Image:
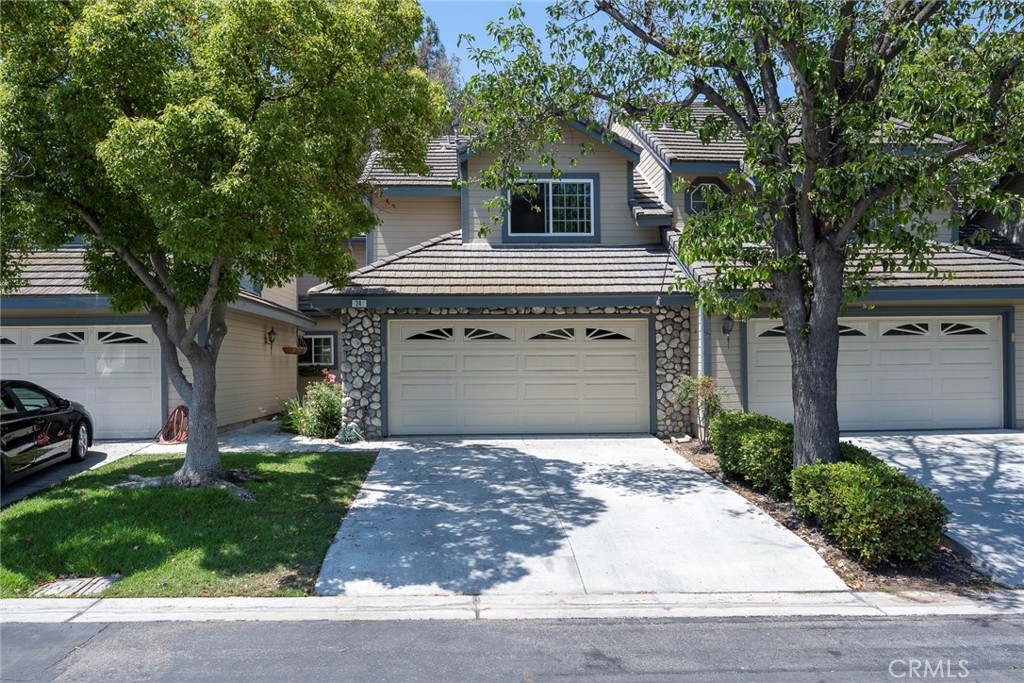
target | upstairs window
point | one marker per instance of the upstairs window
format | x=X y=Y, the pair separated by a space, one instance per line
x=561 y=207
x=698 y=192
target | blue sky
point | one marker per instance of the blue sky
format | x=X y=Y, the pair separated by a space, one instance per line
x=455 y=17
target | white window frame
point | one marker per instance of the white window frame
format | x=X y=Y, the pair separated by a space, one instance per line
x=545 y=185
x=309 y=337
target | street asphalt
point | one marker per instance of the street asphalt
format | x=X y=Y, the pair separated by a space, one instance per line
x=610 y=651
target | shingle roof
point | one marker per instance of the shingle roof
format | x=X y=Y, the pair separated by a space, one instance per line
x=673 y=144
x=995 y=243
x=54 y=273
x=645 y=201
x=969 y=267
x=446 y=266
x=442 y=158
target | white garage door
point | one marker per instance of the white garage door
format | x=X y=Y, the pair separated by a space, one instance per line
x=514 y=376
x=894 y=373
x=114 y=371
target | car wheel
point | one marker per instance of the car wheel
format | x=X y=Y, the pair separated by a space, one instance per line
x=80 y=445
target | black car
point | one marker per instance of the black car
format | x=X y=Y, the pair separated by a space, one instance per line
x=39 y=428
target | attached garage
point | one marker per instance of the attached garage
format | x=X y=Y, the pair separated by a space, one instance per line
x=114 y=371
x=503 y=375
x=894 y=372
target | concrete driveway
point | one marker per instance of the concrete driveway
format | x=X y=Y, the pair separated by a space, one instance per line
x=557 y=516
x=980 y=478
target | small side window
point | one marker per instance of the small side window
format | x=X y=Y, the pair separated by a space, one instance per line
x=698 y=191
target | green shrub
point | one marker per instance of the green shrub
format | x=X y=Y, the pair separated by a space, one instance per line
x=318 y=414
x=872 y=510
x=323 y=409
x=850 y=453
x=294 y=418
x=727 y=432
x=766 y=458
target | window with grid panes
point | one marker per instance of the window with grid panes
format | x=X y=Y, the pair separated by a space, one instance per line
x=561 y=207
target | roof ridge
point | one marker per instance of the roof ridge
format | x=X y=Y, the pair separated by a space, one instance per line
x=397 y=256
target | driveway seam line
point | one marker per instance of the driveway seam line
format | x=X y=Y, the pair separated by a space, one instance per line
x=554 y=510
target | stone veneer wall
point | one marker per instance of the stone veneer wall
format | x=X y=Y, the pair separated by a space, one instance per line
x=362 y=356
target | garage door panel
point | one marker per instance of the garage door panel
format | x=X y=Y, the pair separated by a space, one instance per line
x=427 y=362
x=426 y=391
x=544 y=362
x=565 y=390
x=545 y=376
x=909 y=373
x=481 y=362
x=611 y=362
x=491 y=391
x=56 y=366
x=125 y=366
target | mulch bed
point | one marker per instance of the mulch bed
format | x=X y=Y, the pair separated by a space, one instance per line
x=947 y=571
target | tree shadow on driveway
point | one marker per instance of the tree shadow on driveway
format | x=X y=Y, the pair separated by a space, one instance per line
x=458 y=517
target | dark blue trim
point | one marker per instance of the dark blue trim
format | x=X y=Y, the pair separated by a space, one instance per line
x=954 y=234
x=744 y=388
x=371 y=243
x=385 y=427
x=629 y=181
x=652 y=376
x=705 y=344
x=359 y=239
x=668 y=188
x=704 y=167
x=418 y=191
x=29 y=303
x=78 y=320
x=653 y=221
x=464 y=194
x=622 y=149
x=558 y=238
x=335 y=301
x=943 y=293
x=1009 y=370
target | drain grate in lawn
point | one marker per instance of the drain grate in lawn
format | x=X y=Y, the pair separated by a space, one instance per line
x=183 y=542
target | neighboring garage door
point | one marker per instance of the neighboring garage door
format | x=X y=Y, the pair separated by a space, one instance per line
x=114 y=371
x=894 y=373
x=498 y=375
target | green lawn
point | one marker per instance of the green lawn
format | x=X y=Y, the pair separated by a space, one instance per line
x=175 y=543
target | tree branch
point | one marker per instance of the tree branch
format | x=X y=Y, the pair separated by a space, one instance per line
x=212 y=288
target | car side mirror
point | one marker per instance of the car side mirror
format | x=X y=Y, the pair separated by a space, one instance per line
x=63 y=403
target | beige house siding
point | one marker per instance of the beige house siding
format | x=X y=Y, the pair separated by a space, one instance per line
x=727 y=361
x=407 y=221
x=253 y=378
x=941 y=218
x=616 y=221
x=648 y=167
x=286 y=295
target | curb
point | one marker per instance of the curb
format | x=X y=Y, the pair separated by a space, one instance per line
x=467 y=607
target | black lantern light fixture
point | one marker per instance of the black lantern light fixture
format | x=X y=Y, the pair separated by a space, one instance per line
x=271 y=337
x=727 y=323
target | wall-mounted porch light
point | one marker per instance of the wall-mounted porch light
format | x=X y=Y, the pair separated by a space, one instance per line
x=727 y=323
x=270 y=337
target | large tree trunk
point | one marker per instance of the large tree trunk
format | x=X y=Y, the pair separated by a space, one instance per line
x=815 y=357
x=202 y=466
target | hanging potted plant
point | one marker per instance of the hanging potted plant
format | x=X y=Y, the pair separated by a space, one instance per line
x=298 y=349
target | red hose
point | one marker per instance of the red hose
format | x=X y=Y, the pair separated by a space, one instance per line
x=176 y=428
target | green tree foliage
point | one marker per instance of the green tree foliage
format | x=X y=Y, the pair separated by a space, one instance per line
x=194 y=142
x=899 y=108
x=444 y=70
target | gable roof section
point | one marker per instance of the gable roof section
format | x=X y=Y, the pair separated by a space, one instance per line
x=442 y=158
x=444 y=266
x=594 y=131
x=684 y=152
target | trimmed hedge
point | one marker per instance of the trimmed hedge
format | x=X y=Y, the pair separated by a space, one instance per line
x=871 y=509
x=755 y=447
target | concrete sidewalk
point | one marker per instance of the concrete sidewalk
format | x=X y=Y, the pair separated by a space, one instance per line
x=980 y=477
x=643 y=605
x=255 y=437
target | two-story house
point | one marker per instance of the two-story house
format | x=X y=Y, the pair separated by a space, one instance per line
x=561 y=318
